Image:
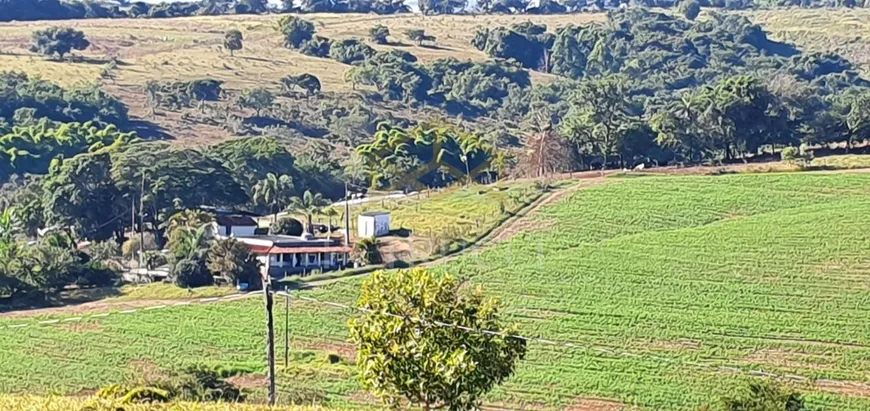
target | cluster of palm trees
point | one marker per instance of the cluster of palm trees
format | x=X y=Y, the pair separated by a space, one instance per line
x=275 y=193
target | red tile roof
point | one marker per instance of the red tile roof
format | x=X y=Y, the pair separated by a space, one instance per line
x=258 y=249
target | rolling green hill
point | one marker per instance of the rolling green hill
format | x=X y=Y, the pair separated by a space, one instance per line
x=662 y=279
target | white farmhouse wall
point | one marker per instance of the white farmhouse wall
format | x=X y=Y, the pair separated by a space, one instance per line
x=373 y=226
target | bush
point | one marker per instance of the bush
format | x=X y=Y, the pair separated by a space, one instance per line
x=104 y=250
x=154 y=259
x=191 y=273
x=305 y=81
x=366 y=251
x=145 y=395
x=202 y=383
x=316 y=47
x=764 y=396
x=286 y=226
x=296 y=31
x=349 y=51
x=130 y=248
x=378 y=34
x=95 y=274
x=690 y=9
x=57 y=40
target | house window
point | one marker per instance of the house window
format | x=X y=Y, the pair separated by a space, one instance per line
x=312 y=258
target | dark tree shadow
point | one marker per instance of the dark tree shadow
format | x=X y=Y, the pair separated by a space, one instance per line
x=66 y=298
x=436 y=47
x=148 y=130
x=396 y=44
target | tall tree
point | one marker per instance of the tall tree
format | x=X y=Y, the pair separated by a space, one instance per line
x=233 y=41
x=274 y=193
x=408 y=355
x=258 y=99
x=600 y=117
x=231 y=260
x=309 y=205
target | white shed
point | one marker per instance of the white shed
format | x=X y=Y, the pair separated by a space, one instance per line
x=234 y=225
x=374 y=224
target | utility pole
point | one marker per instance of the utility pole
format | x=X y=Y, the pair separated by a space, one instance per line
x=287 y=329
x=270 y=338
x=141 y=223
x=346 y=216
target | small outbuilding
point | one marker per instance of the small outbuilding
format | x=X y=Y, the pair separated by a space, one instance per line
x=373 y=224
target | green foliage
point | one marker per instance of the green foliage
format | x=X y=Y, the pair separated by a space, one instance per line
x=419 y=36
x=286 y=226
x=316 y=47
x=258 y=99
x=189 y=273
x=250 y=160
x=295 y=30
x=395 y=154
x=178 y=94
x=154 y=259
x=429 y=365
x=526 y=43
x=379 y=34
x=81 y=104
x=764 y=396
x=305 y=81
x=442 y=6
x=232 y=260
x=367 y=251
x=690 y=9
x=33 y=149
x=233 y=40
x=349 y=51
x=309 y=205
x=273 y=192
x=94 y=274
x=59 y=41
x=104 y=250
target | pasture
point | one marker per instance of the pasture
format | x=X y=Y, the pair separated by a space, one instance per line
x=673 y=289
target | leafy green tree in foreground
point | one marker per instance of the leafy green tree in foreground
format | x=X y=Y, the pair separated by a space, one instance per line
x=436 y=367
x=233 y=41
x=58 y=40
x=231 y=260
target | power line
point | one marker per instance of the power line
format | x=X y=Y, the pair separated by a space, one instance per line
x=566 y=344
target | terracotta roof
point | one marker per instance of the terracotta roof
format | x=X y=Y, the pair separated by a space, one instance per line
x=257 y=249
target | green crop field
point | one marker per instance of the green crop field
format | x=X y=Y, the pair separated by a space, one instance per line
x=661 y=279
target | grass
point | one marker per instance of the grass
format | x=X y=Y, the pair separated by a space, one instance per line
x=840 y=31
x=165 y=291
x=759 y=272
x=33 y=403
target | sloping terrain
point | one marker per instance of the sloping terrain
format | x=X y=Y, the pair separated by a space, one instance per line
x=672 y=290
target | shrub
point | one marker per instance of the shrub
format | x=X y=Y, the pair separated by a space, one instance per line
x=763 y=397
x=130 y=248
x=57 y=40
x=690 y=9
x=104 y=250
x=378 y=34
x=258 y=99
x=191 y=273
x=95 y=274
x=316 y=47
x=296 y=31
x=145 y=395
x=307 y=82
x=286 y=226
x=154 y=259
x=202 y=383
x=366 y=251
x=349 y=51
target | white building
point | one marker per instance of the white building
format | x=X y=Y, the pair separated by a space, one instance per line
x=374 y=224
x=228 y=225
x=284 y=255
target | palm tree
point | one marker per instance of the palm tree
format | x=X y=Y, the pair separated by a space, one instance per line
x=309 y=205
x=330 y=213
x=189 y=242
x=273 y=192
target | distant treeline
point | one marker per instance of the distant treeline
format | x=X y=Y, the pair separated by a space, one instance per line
x=27 y=10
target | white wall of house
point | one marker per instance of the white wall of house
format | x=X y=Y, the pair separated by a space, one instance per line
x=373 y=225
x=233 y=231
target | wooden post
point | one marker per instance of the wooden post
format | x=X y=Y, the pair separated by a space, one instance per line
x=287 y=329
x=270 y=338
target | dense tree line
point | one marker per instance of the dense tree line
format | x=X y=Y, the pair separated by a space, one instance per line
x=648 y=87
x=48 y=100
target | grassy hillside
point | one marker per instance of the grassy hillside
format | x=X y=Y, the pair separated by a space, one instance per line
x=844 y=32
x=676 y=275
x=190 y=48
